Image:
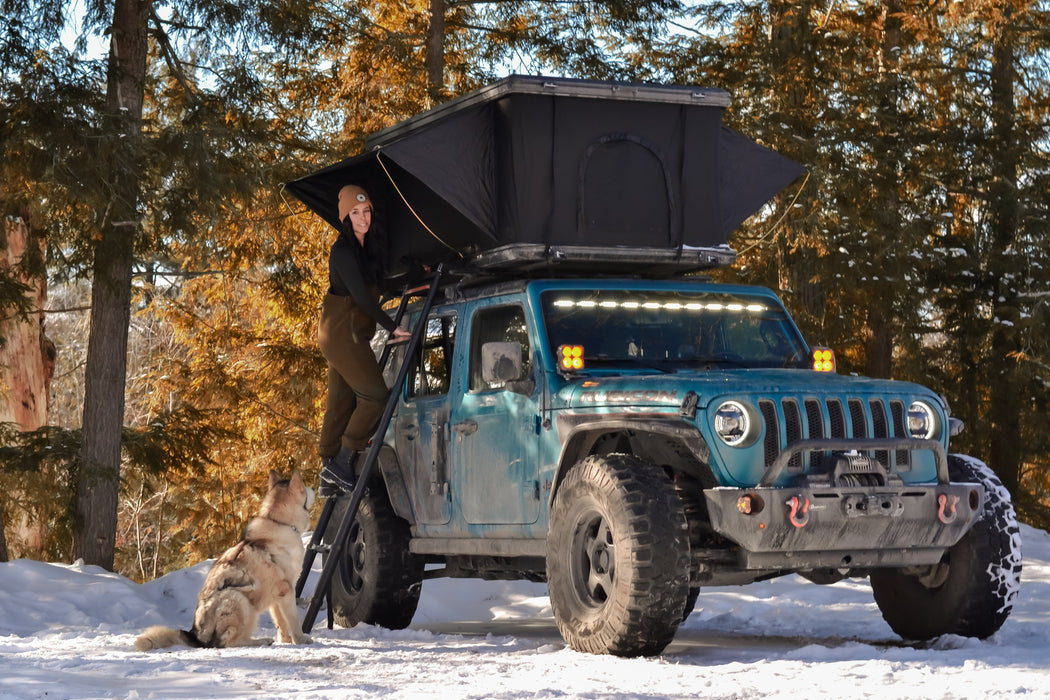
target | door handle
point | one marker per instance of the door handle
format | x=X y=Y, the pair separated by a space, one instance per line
x=467 y=427
x=411 y=432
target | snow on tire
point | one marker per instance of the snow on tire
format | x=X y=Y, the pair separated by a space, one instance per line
x=617 y=557
x=972 y=590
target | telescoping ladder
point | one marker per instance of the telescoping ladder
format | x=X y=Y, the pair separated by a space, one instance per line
x=335 y=550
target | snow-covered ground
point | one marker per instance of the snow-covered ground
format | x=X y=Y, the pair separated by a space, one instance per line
x=67 y=632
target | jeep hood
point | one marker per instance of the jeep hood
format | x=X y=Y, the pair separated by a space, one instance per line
x=663 y=391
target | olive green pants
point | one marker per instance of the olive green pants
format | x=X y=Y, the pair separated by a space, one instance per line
x=357 y=392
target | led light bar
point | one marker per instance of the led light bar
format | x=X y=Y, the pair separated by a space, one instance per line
x=667 y=305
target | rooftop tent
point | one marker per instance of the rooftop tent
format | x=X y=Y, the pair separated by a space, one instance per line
x=536 y=172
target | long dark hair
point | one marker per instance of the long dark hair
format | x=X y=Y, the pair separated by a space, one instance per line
x=373 y=250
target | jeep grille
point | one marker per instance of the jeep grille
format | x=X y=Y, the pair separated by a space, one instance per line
x=832 y=418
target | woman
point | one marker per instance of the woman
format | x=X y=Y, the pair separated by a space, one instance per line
x=357 y=392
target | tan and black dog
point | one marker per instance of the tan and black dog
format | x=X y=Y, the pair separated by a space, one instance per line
x=256 y=574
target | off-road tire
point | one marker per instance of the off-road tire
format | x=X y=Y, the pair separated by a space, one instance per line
x=378 y=580
x=975 y=594
x=690 y=602
x=690 y=493
x=617 y=557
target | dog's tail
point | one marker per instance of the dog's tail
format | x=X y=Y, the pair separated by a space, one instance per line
x=160 y=637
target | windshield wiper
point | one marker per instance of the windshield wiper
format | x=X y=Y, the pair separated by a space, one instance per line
x=794 y=360
x=722 y=358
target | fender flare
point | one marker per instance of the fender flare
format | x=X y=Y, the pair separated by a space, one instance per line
x=397 y=491
x=580 y=433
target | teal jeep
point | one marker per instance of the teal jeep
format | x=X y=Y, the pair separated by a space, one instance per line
x=585 y=411
x=630 y=441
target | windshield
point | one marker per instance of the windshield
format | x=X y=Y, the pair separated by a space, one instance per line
x=672 y=330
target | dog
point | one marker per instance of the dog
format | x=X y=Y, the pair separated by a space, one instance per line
x=256 y=574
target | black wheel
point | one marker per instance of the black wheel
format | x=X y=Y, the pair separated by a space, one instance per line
x=972 y=590
x=617 y=557
x=378 y=580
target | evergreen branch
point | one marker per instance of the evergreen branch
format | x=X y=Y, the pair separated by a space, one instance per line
x=235 y=388
x=64 y=310
x=185 y=274
x=179 y=25
x=684 y=28
x=777 y=222
x=831 y=10
x=69 y=372
x=471 y=3
x=31 y=312
x=170 y=58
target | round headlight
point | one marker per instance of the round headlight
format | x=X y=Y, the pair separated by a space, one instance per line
x=732 y=423
x=922 y=421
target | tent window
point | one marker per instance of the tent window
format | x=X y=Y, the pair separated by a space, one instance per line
x=624 y=191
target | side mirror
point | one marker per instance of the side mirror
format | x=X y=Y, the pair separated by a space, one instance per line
x=500 y=362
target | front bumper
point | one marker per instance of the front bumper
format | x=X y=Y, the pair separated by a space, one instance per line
x=821 y=523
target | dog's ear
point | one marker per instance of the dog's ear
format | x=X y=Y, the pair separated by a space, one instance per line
x=274 y=478
x=297 y=480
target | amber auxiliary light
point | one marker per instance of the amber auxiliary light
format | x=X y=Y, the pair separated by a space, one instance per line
x=824 y=359
x=570 y=357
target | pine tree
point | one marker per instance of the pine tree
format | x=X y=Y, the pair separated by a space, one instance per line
x=118 y=182
x=1001 y=205
x=923 y=232
x=218 y=280
x=244 y=335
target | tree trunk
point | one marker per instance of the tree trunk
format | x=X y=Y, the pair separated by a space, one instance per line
x=27 y=364
x=435 y=58
x=106 y=367
x=878 y=346
x=27 y=360
x=1005 y=404
x=880 y=331
x=790 y=36
x=3 y=540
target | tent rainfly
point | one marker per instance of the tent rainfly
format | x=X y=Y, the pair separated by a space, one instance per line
x=554 y=174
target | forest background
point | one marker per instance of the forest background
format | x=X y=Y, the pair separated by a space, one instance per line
x=159 y=299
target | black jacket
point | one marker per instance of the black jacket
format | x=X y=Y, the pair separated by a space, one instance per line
x=352 y=273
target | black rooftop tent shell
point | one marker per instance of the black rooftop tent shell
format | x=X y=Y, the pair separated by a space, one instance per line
x=535 y=172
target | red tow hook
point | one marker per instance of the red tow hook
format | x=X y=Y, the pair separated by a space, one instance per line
x=796 y=504
x=946 y=512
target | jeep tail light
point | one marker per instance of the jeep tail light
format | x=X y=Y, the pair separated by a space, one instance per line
x=570 y=357
x=823 y=359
